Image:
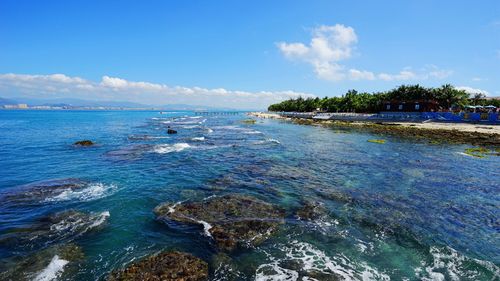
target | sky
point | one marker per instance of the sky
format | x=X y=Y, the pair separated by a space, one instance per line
x=243 y=54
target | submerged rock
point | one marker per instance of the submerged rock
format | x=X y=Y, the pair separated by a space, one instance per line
x=164 y=266
x=311 y=211
x=249 y=121
x=39 y=191
x=231 y=220
x=84 y=143
x=379 y=141
x=47 y=264
x=57 y=227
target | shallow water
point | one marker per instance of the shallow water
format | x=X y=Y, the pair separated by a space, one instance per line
x=402 y=210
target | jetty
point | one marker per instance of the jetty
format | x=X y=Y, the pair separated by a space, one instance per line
x=211 y=113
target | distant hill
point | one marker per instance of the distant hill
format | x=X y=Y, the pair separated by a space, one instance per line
x=4 y=101
x=65 y=102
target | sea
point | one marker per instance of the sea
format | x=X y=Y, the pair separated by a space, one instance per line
x=405 y=209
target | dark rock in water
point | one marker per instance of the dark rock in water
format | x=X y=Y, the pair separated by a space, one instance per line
x=164 y=266
x=84 y=143
x=231 y=220
x=39 y=191
x=311 y=211
x=46 y=264
x=171 y=131
x=249 y=121
x=61 y=226
x=335 y=195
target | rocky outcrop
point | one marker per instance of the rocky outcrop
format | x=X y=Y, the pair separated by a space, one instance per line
x=54 y=228
x=232 y=220
x=84 y=143
x=171 y=131
x=311 y=210
x=56 y=261
x=171 y=266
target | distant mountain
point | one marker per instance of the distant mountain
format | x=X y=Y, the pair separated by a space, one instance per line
x=83 y=103
x=68 y=102
x=4 y=101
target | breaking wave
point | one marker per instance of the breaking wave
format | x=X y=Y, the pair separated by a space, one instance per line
x=80 y=224
x=313 y=260
x=272 y=141
x=92 y=191
x=168 y=148
x=448 y=264
x=198 y=139
x=53 y=270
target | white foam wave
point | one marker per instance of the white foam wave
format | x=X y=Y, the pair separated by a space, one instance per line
x=206 y=227
x=190 y=126
x=274 y=141
x=53 y=270
x=168 y=148
x=210 y=130
x=252 y=132
x=313 y=259
x=93 y=191
x=448 y=264
x=171 y=209
x=71 y=225
x=198 y=139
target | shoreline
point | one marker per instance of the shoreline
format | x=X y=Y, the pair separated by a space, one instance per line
x=437 y=132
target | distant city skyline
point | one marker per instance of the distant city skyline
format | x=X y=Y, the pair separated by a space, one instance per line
x=243 y=54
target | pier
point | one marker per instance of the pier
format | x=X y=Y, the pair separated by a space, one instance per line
x=211 y=113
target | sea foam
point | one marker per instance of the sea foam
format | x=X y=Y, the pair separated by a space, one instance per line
x=53 y=270
x=92 y=191
x=314 y=260
x=168 y=148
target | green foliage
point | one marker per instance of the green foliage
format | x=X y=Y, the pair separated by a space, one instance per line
x=481 y=152
x=446 y=96
x=377 y=141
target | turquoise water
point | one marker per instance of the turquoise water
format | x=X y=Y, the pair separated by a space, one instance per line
x=402 y=210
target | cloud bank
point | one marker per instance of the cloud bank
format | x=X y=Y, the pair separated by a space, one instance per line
x=118 y=89
x=473 y=91
x=331 y=46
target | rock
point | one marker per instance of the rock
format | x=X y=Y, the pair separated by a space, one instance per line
x=61 y=226
x=61 y=259
x=248 y=121
x=37 y=192
x=335 y=195
x=379 y=141
x=232 y=220
x=171 y=266
x=171 y=131
x=311 y=211
x=84 y=143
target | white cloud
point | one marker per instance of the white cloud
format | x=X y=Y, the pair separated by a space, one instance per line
x=332 y=45
x=478 y=79
x=328 y=46
x=114 y=88
x=355 y=74
x=472 y=91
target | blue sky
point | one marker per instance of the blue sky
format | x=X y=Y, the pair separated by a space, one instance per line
x=243 y=53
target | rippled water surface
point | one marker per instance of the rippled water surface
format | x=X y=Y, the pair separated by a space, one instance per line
x=402 y=210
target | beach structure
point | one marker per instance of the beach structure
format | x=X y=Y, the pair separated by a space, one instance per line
x=410 y=106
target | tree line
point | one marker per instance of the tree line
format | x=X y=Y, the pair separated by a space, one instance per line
x=446 y=96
